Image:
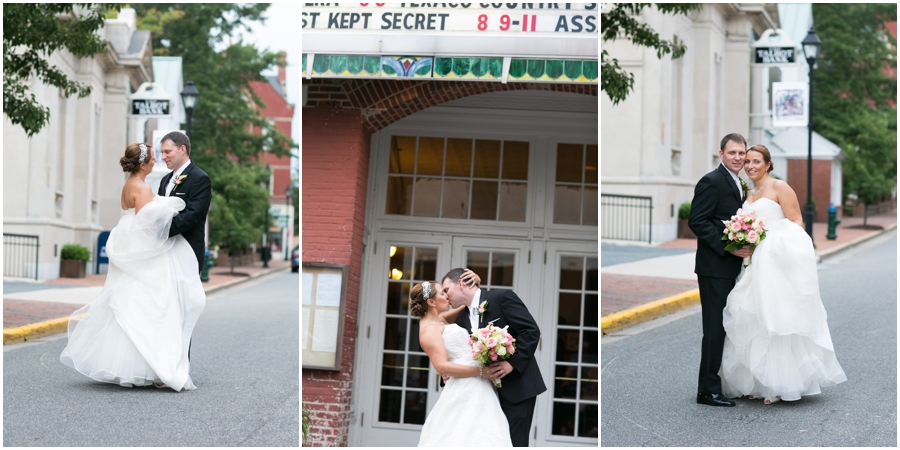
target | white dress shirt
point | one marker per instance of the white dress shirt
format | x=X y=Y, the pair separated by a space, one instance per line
x=473 y=309
x=177 y=174
x=737 y=180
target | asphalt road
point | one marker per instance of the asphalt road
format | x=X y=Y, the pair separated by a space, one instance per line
x=649 y=373
x=244 y=361
x=611 y=255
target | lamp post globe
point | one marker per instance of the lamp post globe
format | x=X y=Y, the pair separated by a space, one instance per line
x=189 y=97
x=811 y=46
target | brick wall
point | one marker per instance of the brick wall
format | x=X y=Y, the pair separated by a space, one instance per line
x=821 y=188
x=335 y=164
x=383 y=102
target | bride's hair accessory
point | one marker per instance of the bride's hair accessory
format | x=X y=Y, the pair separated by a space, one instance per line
x=426 y=290
x=144 y=152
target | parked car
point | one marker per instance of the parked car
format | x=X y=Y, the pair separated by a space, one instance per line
x=295 y=259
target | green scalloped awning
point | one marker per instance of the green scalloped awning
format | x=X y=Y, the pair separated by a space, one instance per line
x=450 y=68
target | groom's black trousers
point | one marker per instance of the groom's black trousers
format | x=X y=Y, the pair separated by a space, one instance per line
x=713 y=297
x=519 y=415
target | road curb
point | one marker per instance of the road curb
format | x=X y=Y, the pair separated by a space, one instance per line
x=648 y=311
x=31 y=331
x=839 y=248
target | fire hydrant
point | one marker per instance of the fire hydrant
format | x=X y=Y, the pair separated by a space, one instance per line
x=833 y=222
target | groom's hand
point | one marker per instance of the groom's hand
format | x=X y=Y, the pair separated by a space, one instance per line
x=499 y=370
x=742 y=252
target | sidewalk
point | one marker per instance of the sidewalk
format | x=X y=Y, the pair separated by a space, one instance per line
x=634 y=292
x=35 y=310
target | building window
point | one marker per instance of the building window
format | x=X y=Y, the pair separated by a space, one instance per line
x=575 y=198
x=575 y=378
x=458 y=178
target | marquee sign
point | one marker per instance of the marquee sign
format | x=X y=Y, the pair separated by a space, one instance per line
x=547 y=30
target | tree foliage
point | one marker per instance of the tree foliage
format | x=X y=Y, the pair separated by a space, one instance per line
x=621 y=22
x=31 y=33
x=227 y=131
x=855 y=104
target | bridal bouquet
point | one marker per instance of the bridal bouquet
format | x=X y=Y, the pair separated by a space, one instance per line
x=491 y=344
x=744 y=228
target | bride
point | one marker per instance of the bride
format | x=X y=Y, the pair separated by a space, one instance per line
x=468 y=412
x=136 y=332
x=777 y=344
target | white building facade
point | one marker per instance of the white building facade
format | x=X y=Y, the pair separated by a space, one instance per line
x=63 y=185
x=665 y=136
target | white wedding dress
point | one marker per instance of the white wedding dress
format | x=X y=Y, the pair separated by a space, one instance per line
x=137 y=331
x=468 y=412
x=777 y=341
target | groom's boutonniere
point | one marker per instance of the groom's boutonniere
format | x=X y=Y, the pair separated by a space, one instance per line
x=179 y=180
x=744 y=186
x=482 y=308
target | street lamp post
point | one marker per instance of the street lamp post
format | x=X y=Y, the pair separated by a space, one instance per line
x=266 y=224
x=811 y=46
x=287 y=227
x=189 y=96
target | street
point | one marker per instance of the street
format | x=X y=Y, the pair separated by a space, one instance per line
x=649 y=372
x=244 y=361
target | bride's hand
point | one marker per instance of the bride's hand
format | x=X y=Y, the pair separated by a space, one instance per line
x=471 y=279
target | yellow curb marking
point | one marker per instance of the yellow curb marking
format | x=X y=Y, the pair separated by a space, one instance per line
x=35 y=330
x=633 y=316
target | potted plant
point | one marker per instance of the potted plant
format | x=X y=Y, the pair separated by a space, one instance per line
x=73 y=260
x=684 y=231
x=305 y=422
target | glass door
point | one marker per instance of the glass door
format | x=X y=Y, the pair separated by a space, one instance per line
x=568 y=413
x=401 y=387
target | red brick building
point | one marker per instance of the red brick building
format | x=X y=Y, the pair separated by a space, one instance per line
x=414 y=165
x=279 y=112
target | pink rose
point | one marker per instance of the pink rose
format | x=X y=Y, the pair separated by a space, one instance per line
x=493 y=356
x=752 y=237
x=491 y=342
x=510 y=348
x=478 y=347
x=746 y=226
x=735 y=226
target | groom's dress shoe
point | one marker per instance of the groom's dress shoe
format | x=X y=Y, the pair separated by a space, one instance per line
x=714 y=400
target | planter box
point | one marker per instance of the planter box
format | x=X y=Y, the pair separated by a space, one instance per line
x=69 y=268
x=684 y=231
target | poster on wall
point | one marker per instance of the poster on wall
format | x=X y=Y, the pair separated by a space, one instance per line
x=324 y=295
x=790 y=104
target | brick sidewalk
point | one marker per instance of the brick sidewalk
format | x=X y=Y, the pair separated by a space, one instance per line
x=23 y=312
x=621 y=292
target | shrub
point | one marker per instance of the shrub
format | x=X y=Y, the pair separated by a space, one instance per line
x=684 y=211
x=75 y=252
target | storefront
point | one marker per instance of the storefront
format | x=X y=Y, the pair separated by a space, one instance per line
x=471 y=150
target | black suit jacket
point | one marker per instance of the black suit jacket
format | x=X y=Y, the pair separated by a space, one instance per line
x=716 y=198
x=196 y=191
x=506 y=308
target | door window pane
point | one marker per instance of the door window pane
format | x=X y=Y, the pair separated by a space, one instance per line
x=496 y=269
x=575 y=384
x=569 y=162
x=405 y=367
x=458 y=178
x=567 y=204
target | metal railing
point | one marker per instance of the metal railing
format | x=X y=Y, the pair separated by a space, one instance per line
x=20 y=255
x=626 y=217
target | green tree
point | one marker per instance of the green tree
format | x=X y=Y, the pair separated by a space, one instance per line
x=31 y=33
x=621 y=22
x=854 y=106
x=225 y=127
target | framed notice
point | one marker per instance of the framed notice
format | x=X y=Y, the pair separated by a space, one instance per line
x=324 y=297
x=790 y=104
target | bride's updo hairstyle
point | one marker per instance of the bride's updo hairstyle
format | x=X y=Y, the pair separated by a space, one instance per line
x=131 y=162
x=418 y=303
x=767 y=157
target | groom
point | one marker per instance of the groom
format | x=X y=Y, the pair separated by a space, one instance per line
x=522 y=381
x=191 y=184
x=717 y=197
